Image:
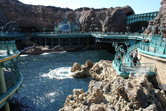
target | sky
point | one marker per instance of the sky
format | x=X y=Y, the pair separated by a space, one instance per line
x=139 y=6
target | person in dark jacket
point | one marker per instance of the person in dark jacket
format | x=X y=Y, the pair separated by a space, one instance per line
x=135 y=60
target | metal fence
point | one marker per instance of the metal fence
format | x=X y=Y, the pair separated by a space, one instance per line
x=7 y=48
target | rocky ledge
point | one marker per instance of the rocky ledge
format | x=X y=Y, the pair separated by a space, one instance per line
x=114 y=93
x=98 y=71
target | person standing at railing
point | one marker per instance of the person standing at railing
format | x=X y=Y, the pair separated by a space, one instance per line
x=135 y=60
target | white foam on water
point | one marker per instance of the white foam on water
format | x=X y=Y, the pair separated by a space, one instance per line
x=45 y=53
x=61 y=52
x=23 y=55
x=59 y=73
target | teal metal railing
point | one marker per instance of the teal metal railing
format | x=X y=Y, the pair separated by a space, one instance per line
x=128 y=58
x=144 y=67
x=8 y=62
x=157 y=49
x=124 y=69
x=7 y=48
x=11 y=75
x=61 y=35
x=15 y=35
x=119 y=65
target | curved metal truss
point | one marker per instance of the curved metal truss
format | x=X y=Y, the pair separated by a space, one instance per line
x=11 y=27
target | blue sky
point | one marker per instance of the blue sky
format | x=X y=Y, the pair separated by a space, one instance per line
x=139 y=6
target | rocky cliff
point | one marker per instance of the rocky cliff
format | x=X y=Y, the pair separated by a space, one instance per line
x=159 y=21
x=38 y=17
x=114 y=93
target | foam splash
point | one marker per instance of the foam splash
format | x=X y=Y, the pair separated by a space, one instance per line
x=141 y=71
x=59 y=73
x=23 y=55
x=45 y=53
x=61 y=52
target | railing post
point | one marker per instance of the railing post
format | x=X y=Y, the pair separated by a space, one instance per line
x=2 y=81
x=52 y=41
x=7 y=47
x=148 y=47
x=130 y=63
x=3 y=87
x=13 y=46
x=69 y=42
x=155 y=49
x=164 y=49
x=120 y=67
x=59 y=41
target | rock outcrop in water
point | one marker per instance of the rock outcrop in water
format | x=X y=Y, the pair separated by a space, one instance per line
x=159 y=21
x=114 y=93
x=83 y=70
x=98 y=71
x=38 y=17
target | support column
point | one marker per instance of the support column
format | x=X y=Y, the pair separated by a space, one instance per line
x=59 y=41
x=69 y=42
x=3 y=87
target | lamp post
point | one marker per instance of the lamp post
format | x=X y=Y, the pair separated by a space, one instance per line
x=96 y=29
x=44 y=29
x=128 y=28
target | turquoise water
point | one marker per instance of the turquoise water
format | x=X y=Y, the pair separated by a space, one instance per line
x=47 y=79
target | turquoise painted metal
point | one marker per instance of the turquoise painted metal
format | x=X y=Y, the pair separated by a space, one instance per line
x=11 y=27
x=9 y=70
x=60 y=35
x=158 y=50
x=141 y=17
x=124 y=69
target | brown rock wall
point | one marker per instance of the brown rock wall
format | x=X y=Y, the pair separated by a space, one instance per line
x=159 y=21
x=39 y=17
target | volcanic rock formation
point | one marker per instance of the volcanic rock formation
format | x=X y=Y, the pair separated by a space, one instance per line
x=114 y=93
x=159 y=21
x=37 y=18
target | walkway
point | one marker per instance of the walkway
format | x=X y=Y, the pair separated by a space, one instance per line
x=141 y=17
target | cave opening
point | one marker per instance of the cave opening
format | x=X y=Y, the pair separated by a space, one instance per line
x=138 y=26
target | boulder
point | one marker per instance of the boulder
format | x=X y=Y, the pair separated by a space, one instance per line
x=79 y=74
x=76 y=67
x=82 y=71
x=97 y=107
x=89 y=64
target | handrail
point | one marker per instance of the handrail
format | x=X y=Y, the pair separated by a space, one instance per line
x=7 y=48
x=128 y=58
x=119 y=65
x=146 y=67
x=154 y=48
